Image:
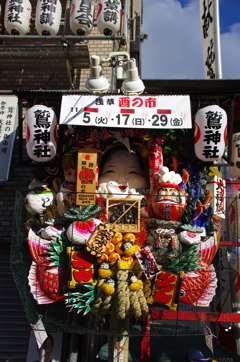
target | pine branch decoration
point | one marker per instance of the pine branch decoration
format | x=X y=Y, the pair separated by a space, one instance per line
x=187 y=260
x=81 y=301
x=57 y=250
x=76 y=214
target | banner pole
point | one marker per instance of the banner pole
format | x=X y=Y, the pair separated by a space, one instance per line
x=218 y=60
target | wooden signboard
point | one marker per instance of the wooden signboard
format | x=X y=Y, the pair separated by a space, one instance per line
x=86 y=178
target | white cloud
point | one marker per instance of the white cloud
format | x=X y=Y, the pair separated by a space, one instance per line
x=173 y=49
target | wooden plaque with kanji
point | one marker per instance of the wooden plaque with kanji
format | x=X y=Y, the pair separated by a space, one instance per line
x=86 y=178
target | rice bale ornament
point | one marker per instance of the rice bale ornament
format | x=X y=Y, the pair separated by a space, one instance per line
x=169 y=199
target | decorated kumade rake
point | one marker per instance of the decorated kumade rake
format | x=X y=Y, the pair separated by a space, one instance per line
x=122 y=250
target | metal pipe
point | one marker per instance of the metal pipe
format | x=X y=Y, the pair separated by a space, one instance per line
x=113 y=86
x=216 y=31
x=59 y=37
x=230 y=129
x=67 y=12
x=20 y=130
x=125 y=25
x=48 y=45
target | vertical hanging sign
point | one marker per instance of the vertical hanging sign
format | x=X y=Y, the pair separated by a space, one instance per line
x=8 y=125
x=210 y=29
x=86 y=178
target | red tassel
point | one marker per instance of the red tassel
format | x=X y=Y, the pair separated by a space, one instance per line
x=171 y=244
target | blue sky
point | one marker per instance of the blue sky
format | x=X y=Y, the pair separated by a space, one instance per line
x=173 y=49
x=229 y=13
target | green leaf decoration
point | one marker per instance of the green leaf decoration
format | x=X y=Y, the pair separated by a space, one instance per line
x=87 y=310
x=90 y=211
x=187 y=260
x=57 y=249
x=91 y=299
x=81 y=300
x=88 y=286
x=88 y=293
x=192 y=228
x=56 y=263
x=80 y=305
x=72 y=300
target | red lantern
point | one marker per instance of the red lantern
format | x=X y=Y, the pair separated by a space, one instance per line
x=169 y=202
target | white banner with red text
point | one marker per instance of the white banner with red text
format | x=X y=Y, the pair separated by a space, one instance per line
x=122 y=111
